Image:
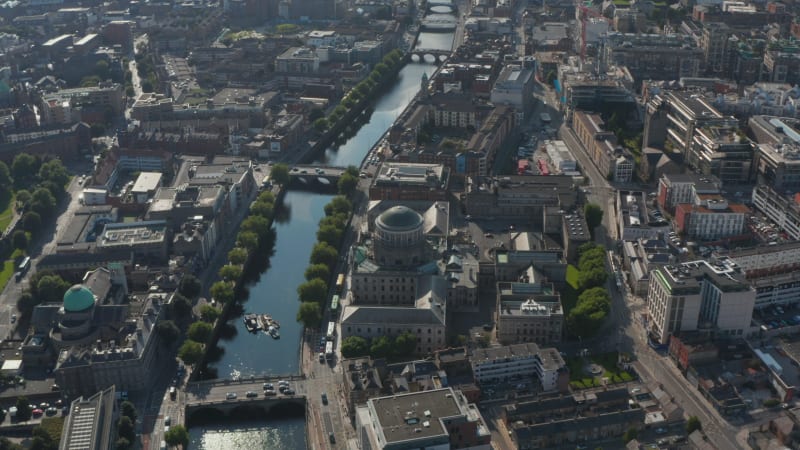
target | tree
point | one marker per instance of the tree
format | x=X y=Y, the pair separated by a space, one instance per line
x=23 y=409
x=200 y=332
x=177 y=435
x=263 y=209
x=51 y=288
x=26 y=302
x=354 y=346
x=222 y=292
x=630 y=435
x=190 y=352
x=258 y=225
x=321 y=124
x=279 y=173
x=347 y=184
x=190 y=286
x=405 y=344
x=181 y=306
x=54 y=171
x=320 y=271
x=23 y=197
x=266 y=197
x=122 y=444
x=237 y=256
x=309 y=314
x=147 y=86
x=338 y=205
x=248 y=240
x=381 y=347
x=24 y=168
x=31 y=221
x=313 y=291
x=330 y=234
x=126 y=429
x=209 y=313
x=693 y=424
x=315 y=114
x=128 y=410
x=381 y=68
x=230 y=272
x=5 y=176
x=592 y=278
x=323 y=253
x=168 y=331
x=43 y=202
x=19 y=240
x=594 y=216
x=101 y=69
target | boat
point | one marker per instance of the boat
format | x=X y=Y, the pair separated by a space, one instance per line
x=276 y=324
x=251 y=323
x=274 y=332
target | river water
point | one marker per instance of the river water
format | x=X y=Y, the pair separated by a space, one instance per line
x=275 y=291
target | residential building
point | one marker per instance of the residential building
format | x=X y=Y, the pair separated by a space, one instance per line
x=716 y=48
x=235 y=174
x=634 y=220
x=674 y=189
x=514 y=87
x=284 y=135
x=484 y=144
x=572 y=431
x=778 y=166
x=654 y=56
x=362 y=379
x=711 y=217
x=782 y=209
x=518 y=362
x=773 y=270
x=439 y=418
x=409 y=181
x=547 y=407
x=607 y=156
x=91 y=422
x=698 y=296
x=147 y=240
x=640 y=257
x=529 y=312
x=456 y=110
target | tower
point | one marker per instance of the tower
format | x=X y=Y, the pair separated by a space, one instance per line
x=423 y=85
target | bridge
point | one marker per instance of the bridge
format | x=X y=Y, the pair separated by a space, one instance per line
x=214 y=395
x=315 y=176
x=431 y=56
x=441 y=6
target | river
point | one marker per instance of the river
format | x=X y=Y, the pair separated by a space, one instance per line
x=275 y=292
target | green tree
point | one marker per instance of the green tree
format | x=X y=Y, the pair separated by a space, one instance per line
x=330 y=234
x=347 y=184
x=31 y=221
x=23 y=409
x=97 y=129
x=592 y=278
x=190 y=352
x=248 y=240
x=24 y=169
x=354 y=346
x=594 y=216
x=54 y=171
x=19 y=240
x=338 y=205
x=23 y=198
x=323 y=253
x=190 y=286
x=321 y=124
x=230 y=272
x=309 y=314
x=237 y=256
x=168 y=331
x=128 y=410
x=338 y=221
x=315 y=114
x=279 y=173
x=320 y=271
x=181 y=306
x=381 y=347
x=25 y=304
x=630 y=435
x=315 y=290
x=222 y=292
x=122 y=444
x=266 y=197
x=381 y=68
x=101 y=69
x=693 y=424
x=209 y=313
x=405 y=344
x=126 y=429
x=147 y=86
x=5 y=176
x=263 y=209
x=51 y=288
x=177 y=435
x=43 y=202
x=258 y=225
x=200 y=332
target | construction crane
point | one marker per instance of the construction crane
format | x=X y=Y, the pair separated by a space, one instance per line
x=585 y=13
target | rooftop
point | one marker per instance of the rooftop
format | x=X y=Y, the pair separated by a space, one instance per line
x=417 y=415
x=689 y=275
x=549 y=357
x=123 y=234
x=147 y=182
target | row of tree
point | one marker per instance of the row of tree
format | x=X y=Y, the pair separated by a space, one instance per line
x=380 y=347
x=363 y=90
x=594 y=303
x=322 y=263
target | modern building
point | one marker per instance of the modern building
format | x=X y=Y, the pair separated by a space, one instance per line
x=145 y=186
x=147 y=240
x=699 y=296
x=721 y=150
x=519 y=362
x=409 y=181
x=782 y=209
x=778 y=166
x=514 y=87
x=439 y=418
x=711 y=217
x=456 y=110
x=674 y=189
x=529 y=312
x=91 y=422
x=640 y=257
x=774 y=272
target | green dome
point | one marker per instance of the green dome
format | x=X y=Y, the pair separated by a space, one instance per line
x=400 y=218
x=78 y=298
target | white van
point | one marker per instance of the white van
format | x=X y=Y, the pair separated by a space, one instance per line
x=163 y=445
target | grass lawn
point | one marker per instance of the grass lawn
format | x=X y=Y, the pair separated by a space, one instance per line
x=7 y=272
x=6 y=210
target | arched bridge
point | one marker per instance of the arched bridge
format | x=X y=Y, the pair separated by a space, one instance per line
x=430 y=56
x=226 y=396
x=313 y=176
x=442 y=7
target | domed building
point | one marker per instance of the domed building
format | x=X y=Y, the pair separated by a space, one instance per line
x=398 y=238
x=77 y=312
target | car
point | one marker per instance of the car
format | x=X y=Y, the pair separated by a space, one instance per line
x=51 y=411
x=662 y=441
x=13 y=318
x=661 y=431
x=286 y=383
x=488 y=235
x=167 y=421
x=270 y=393
x=251 y=394
x=268 y=386
x=331 y=438
x=37 y=412
x=230 y=396
x=288 y=391
x=324 y=398
x=44 y=405
x=635 y=390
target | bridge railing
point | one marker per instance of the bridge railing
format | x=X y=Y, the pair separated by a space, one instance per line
x=261 y=399
x=261 y=379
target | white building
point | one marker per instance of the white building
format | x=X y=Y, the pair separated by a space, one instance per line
x=634 y=222
x=518 y=361
x=696 y=296
x=145 y=186
x=774 y=272
x=674 y=189
x=514 y=87
x=711 y=217
x=623 y=170
x=561 y=156
x=780 y=209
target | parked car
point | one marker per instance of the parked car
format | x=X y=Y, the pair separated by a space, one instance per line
x=251 y=394
x=230 y=396
x=324 y=398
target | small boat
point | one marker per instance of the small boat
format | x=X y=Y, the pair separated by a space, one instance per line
x=235 y=375
x=276 y=324
x=274 y=332
x=251 y=323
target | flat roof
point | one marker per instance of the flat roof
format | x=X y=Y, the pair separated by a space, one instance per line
x=147 y=182
x=416 y=415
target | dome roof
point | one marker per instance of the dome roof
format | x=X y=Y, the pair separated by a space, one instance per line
x=400 y=218
x=78 y=298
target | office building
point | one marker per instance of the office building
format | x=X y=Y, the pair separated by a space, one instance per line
x=522 y=197
x=520 y=362
x=778 y=166
x=674 y=189
x=297 y=60
x=529 y=312
x=781 y=209
x=147 y=240
x=409 y=181
x=774 y=272
x=654 y=56
x=90 y=423
x=711 y=217
x=514 y=87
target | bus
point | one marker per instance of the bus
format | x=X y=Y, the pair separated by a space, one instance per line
x=24 y=265
x=339 y=283
x=331 y=331
x=329 y=351
x=335 y=303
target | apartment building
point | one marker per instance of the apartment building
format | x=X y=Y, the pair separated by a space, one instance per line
x=711 y=217
x=781 y=209
x=774 y=272
x=607 y=156
x=655 y=56
x=519 y=362
x=699 y=296
x=456 y=110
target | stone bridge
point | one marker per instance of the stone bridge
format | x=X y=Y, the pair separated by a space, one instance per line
x=439 y=5
x=315 y=177
x=430 y=56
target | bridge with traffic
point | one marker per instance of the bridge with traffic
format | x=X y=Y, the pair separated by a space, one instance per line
x=227 y=395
